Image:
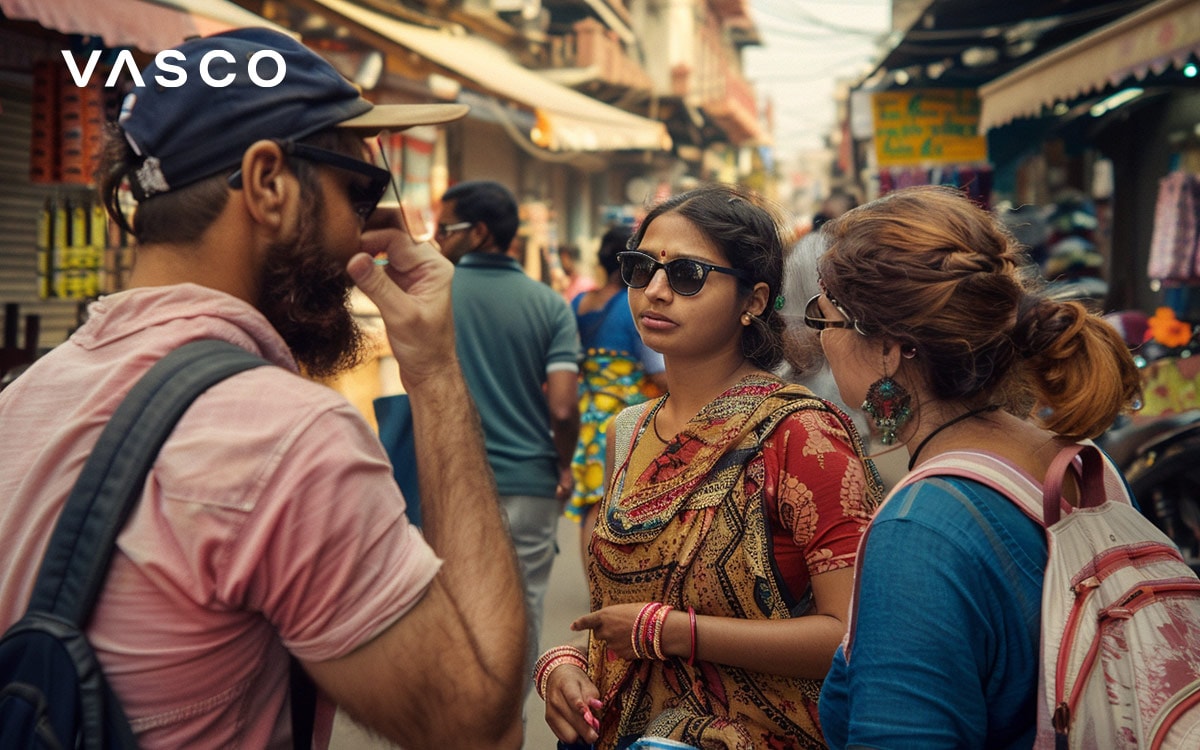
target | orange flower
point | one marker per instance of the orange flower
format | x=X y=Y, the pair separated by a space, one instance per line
x=1168 y=330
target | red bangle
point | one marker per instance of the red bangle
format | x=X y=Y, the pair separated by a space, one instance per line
x=692 y=620
x=638 y=637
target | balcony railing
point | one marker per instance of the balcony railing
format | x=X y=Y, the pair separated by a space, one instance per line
x=714 y=85
x=598 y=54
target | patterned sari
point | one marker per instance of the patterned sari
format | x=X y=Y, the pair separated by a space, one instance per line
x=693 y=530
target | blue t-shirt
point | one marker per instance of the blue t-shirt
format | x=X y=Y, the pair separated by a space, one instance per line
x=945 y=653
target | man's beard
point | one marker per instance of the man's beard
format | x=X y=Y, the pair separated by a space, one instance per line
x=305 y=297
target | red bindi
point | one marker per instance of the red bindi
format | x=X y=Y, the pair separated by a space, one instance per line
x=662 y=253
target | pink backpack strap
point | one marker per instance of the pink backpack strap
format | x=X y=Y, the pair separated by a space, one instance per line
x=986 y=468
x=1090 y=474
x=992 y=471
x=1042 y=503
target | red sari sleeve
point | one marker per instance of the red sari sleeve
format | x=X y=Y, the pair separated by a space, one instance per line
x=815 y=486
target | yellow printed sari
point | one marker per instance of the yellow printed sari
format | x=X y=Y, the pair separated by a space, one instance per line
x=693 y=530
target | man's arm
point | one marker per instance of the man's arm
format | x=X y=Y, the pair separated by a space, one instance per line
x=450 y=672
x=562 y=398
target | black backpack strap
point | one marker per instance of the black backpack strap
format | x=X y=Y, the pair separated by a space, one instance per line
x=304 y=706
x=76 y=562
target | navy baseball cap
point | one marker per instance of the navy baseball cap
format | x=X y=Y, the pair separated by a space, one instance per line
x=212 y=97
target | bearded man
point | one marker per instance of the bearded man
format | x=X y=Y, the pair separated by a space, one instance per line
x=270 y=526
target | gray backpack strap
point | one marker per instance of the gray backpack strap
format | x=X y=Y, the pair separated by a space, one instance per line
x=110 y=485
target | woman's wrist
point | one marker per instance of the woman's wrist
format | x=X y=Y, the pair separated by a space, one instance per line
x=552 y=660
x=680 y=638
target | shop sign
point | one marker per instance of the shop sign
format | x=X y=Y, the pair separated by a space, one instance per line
x=927 y=127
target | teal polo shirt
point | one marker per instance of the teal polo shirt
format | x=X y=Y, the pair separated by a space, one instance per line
x=511 y=332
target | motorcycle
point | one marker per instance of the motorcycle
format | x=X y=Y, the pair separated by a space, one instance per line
x=1159 y=453
x=1161 y=462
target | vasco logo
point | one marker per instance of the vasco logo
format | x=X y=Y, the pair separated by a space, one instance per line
x=214 y=68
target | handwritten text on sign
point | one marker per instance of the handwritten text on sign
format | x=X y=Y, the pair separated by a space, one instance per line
x=929 y=126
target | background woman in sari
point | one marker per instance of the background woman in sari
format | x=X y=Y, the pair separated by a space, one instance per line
x=720 y=567
x=618 y=370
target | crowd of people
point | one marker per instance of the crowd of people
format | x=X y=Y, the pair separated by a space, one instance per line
x=690 y=412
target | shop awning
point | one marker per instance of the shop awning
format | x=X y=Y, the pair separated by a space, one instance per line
x=571 y=121
x=1147 y=41
x=148 y=26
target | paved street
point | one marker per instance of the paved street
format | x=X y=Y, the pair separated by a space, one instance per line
x=566 y=599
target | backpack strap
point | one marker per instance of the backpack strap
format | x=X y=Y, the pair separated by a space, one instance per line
x=76 y=562
x=1091 y=479
x=990 y=470
x=1044 y=504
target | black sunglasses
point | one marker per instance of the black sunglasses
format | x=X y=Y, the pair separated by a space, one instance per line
x=813 y=318
x=364 y=197
x=684 y=275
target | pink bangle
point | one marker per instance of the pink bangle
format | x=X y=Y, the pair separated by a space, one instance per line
x=640 y=636
x=692 y=620
x=553 y=659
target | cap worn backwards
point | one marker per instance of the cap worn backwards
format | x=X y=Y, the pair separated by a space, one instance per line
x=201 y=108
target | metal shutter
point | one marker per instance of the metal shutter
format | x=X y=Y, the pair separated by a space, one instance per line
x=20 y=203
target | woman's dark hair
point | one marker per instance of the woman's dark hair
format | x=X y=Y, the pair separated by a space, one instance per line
x=926 y=268
x=182 y=215
x=489 y=203
x=739 y=225
x=615 y=240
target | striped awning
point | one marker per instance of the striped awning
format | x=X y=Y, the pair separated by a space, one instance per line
x=1147 y=41
x=148 y=25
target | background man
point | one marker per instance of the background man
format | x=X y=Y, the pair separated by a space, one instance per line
x=519 y=349
x=270 y=522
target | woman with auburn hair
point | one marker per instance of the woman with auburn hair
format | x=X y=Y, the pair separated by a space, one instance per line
x=928 y=319
x=720 y=566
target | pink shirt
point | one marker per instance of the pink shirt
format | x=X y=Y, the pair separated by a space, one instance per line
x=270 y=522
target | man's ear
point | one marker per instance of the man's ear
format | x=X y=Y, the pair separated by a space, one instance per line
x=267 y=184
x=478 y=234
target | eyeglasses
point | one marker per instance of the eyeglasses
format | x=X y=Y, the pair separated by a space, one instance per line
x=364 y=197
x=813 y=318
x=445 y=230
x=684 y=275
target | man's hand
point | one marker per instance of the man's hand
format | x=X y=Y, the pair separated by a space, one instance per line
x=412 y=292
x=566 y=484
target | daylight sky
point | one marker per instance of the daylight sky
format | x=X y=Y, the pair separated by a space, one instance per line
x=807 y=44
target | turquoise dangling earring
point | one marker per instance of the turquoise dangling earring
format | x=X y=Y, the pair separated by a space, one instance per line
x=889 y=406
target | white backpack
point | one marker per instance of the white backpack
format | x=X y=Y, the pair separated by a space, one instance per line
x=1120 y=651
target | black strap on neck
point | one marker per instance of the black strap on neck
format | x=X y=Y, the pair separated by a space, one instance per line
x=912 y=461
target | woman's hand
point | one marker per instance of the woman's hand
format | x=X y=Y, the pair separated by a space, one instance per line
x=614 y=626
x=572 y=702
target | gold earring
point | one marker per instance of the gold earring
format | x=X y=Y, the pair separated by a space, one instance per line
x=746 y=318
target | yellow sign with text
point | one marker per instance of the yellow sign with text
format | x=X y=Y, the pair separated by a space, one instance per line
x=929 y=126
